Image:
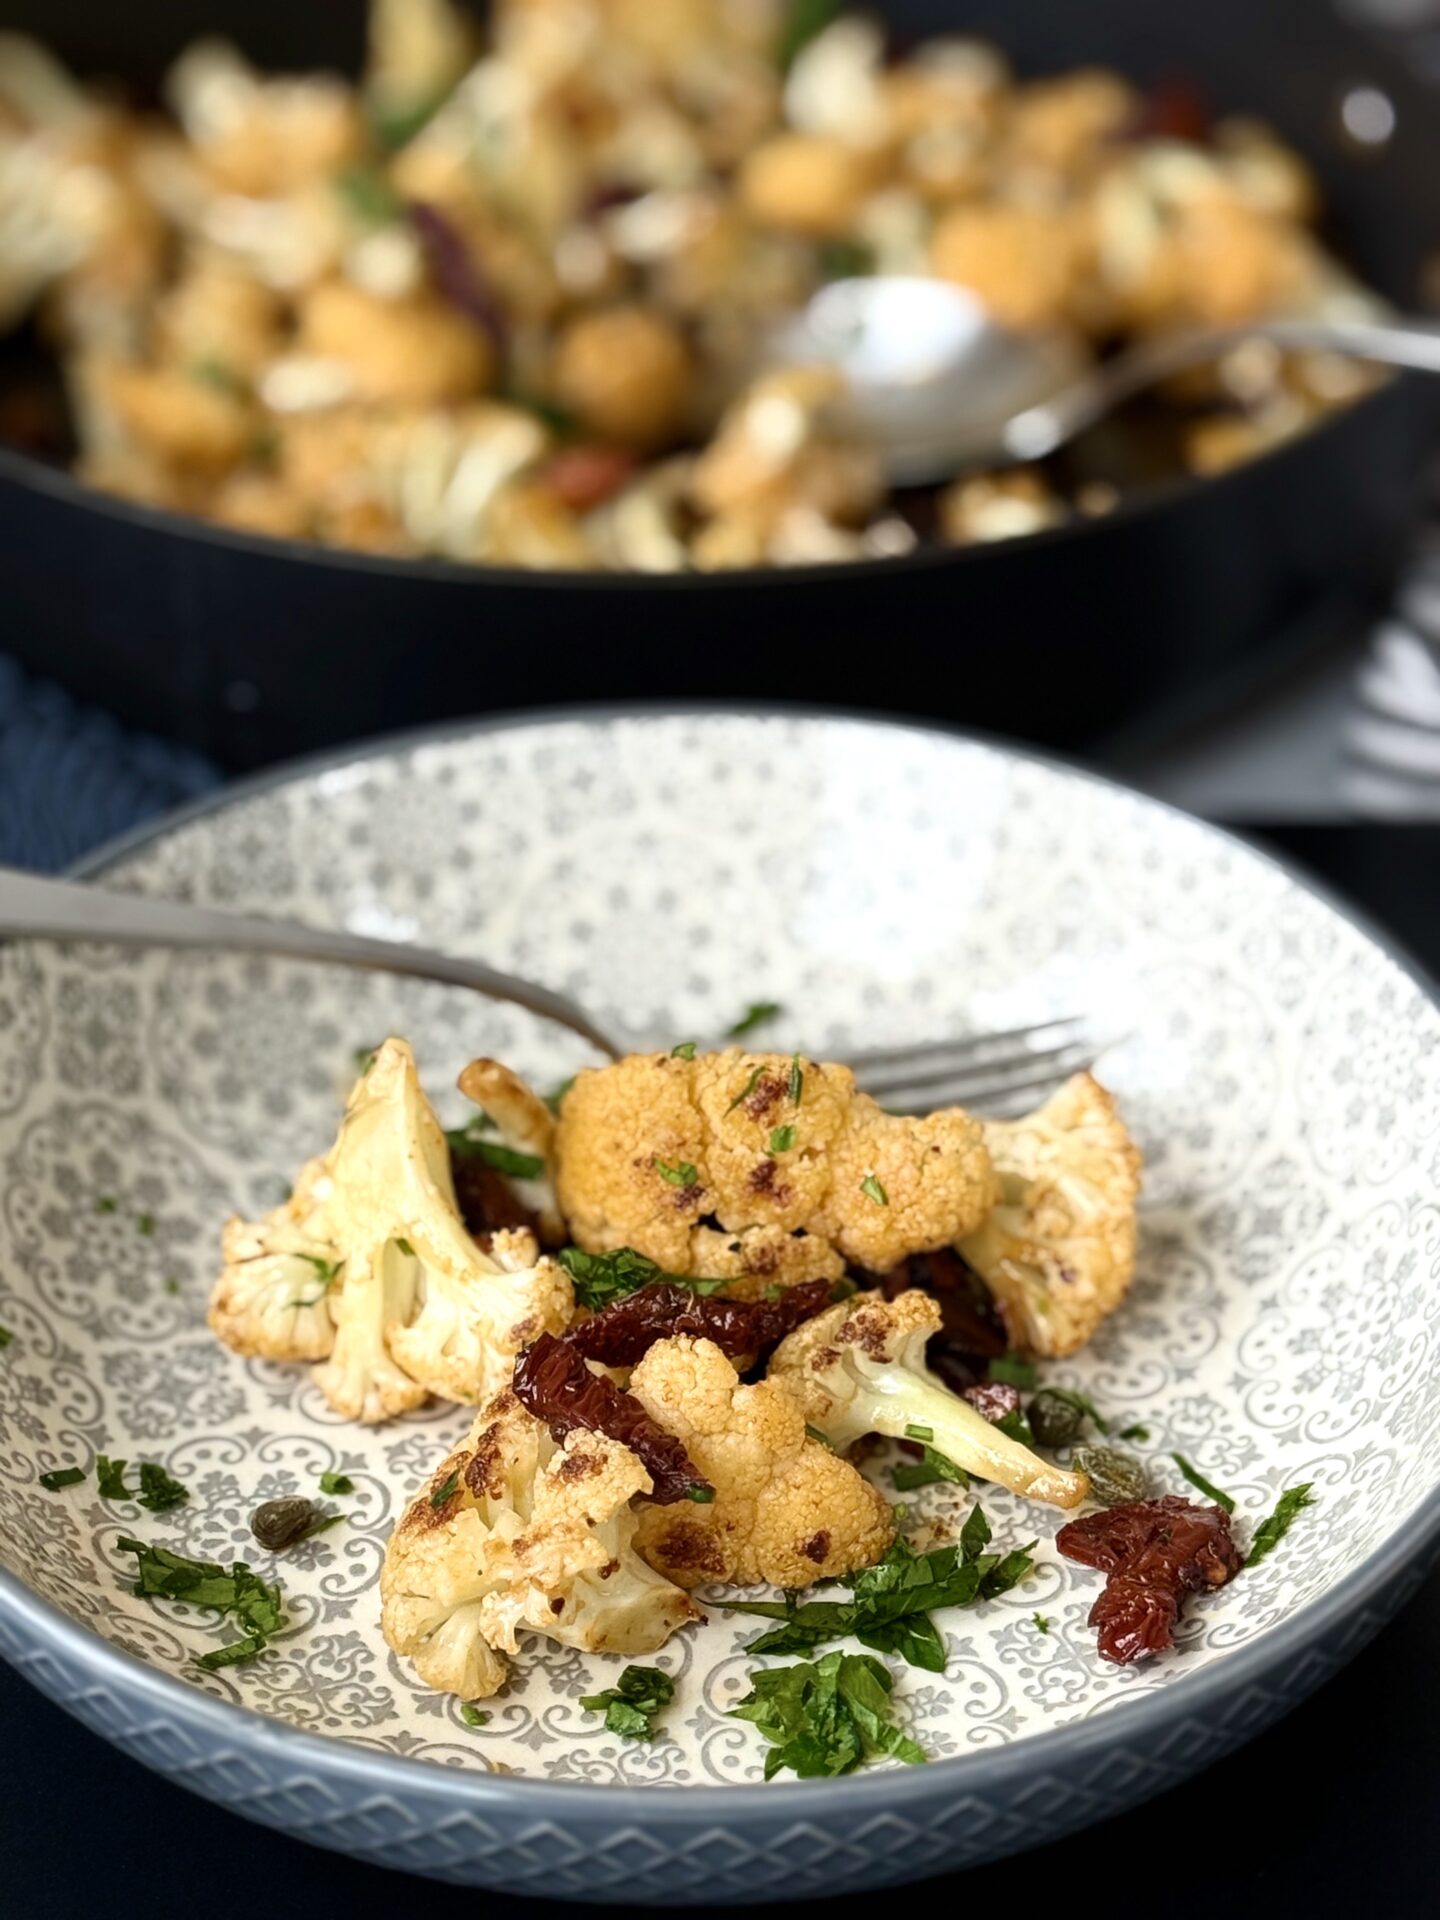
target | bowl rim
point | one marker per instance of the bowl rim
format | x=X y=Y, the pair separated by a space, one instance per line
x=991 y=1770
x=60 y=483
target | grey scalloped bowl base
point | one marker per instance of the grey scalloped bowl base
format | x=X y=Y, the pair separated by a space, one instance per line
x=1278 y=1065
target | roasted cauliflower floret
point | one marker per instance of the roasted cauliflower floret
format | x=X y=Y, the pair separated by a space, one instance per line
x=273 y=1298
x=787 y=1511
x=1058 y=1249
x=512 y=1535
x=860 y=1368
x=649 y=1149
x=411 y=1305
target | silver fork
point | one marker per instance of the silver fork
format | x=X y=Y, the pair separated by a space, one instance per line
x=990 y=1070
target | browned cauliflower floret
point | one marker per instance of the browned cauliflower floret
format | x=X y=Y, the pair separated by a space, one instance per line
x=511 y=1535
x=787 y=1511
x=860 y=1368
x=1058 y=1249
x=649 y=1149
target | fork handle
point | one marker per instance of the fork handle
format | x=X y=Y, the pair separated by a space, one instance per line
x=31 y=905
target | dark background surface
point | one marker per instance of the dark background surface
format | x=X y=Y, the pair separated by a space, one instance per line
x=1332 y=1811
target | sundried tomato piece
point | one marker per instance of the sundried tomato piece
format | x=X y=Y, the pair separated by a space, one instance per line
x=1154 y=1553
x=486 y=1198
x=585 y=475
x=553 y=1382
x=972 y=1332
x=624 y=1332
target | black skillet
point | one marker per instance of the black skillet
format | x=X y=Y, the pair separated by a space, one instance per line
x=252 y=649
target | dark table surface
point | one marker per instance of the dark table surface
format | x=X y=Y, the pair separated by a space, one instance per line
x=1331 y=1811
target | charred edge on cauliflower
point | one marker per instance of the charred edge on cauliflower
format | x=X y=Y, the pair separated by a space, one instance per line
x=553 y=1382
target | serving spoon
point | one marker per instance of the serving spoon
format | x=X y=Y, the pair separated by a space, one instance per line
x=935 y=383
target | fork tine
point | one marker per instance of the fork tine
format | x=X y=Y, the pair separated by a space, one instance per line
x=927 y=1070
x=968 y=1047
x=989 y=1096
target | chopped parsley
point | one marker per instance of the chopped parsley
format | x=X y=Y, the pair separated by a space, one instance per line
x=1010 y=1370
x=927 y=1471
x=405 y=1248
x=472 y=1715
x=467 y=1143
x=145 y=1223
x=1136 y=1432
x=825 y=1717
x=6 y=1338
x=845 y=259
x=60 y=1477
x=685 y=1051
x=755 y=1015
x=599 y=1278
x=327 y=1269
x=916 y=1432
x=363 y=1058
x=814 y=1433
x=107 y=1203
x=1271 y=1532
x=746 y=1091
x=1042 y=1622
x=172 y=1285
x=1207 y=1487
x=892 y=1601
x=336 y=1483
x=446 y=1490
x=557 y=1094
x=159 y=1490
x=211 y=371
x=255 y=1605
x=679 y=1173
x=395 y=126
x=232 y=1653
x=803 y=21
x=111 y=1477
x=782 y=1139
x=1016 y=1427
x=873 y=1190
x=796 y=1085
x=368 y=195
x=633 y=1705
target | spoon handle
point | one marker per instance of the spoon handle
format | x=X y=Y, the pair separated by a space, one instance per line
x=1041 y=429
x=31 y=905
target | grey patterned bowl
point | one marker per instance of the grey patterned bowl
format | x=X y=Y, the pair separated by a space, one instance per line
x=881 y=882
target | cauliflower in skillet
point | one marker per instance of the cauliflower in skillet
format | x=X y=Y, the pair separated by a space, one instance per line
x=652 y=1152
x=512 y=1535
x=1058 y=1248
x=787 y=1511
x=860 y=1368
x=414 y=1305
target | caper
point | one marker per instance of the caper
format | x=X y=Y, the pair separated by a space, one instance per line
x=1115 y=1477
x=1055 y=1420
x=280 y=1523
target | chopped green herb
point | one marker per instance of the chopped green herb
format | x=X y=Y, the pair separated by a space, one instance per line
x=599 y=1278
x=804 y=21
x=557 y=1094
x=873 y=1190
x=815 y=1434
x=466 y=1144
x=1042 y=1623
x=843 y=1289
x=336 y=1483
x=679 y=1173
x=106 y=1204
x=145 y=1223
x=159 y=1491
x=1137 y=1432
x=394 y=126
x=203 y=1583
x=685 y=1051
x=915 y=1432
x=699 y=1493
x=446 y=1490
x=892 y=1601
x=755 y=1015
x=233 y=1653
x=472 y=1715
x=746 y=1091
x=796 y=1087
x=327 y=1269
x=927 y=1471
x=60 y=1477
x=1271 y=1532
x=1016 y=1427
x=825 y=1717
x=172 y=1285
x=845 y=259
x=1207 y=1487
x=6 y=1338
x=782 y=1139
x=1012 y=1371
x=633 y=1705
x=211 y=371
x=405 y=1248
x=110 y=1476
x=369 y=196
x=363 y=1059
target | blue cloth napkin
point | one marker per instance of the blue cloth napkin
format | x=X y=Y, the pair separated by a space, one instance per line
x=71 y=777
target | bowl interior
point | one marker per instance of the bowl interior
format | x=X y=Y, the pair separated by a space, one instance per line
x=881 y=883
